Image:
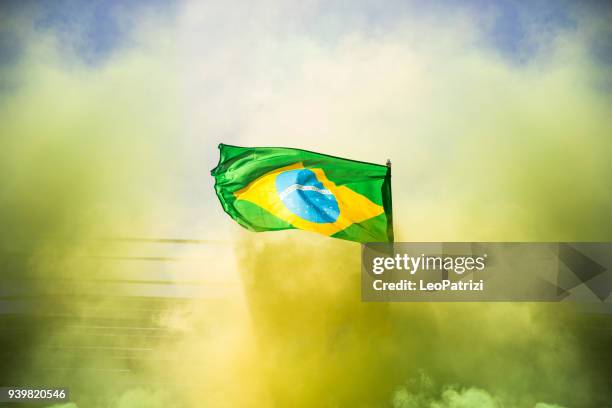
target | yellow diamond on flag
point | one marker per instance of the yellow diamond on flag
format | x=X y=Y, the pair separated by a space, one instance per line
x=305 y=198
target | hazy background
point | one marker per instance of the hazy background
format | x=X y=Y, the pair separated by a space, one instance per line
x=498 y=121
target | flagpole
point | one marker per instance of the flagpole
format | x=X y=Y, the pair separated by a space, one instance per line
x=390 y=225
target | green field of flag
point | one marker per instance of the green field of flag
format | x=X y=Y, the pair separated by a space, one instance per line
x=274 y=188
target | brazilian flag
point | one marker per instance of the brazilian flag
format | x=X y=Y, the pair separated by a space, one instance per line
x=276 y=188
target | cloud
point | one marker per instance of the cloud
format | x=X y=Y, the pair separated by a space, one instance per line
x=421 y=392
x=544 y=405
x=450 y=398
x=68 y=405
x=141 y=398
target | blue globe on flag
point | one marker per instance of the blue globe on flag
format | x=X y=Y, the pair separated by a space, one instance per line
x=305 y=196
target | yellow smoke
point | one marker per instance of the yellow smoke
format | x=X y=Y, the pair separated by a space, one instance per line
x=482 y=150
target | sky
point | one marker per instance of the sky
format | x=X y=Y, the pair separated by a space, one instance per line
x=459 y=88
x=495 y=115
